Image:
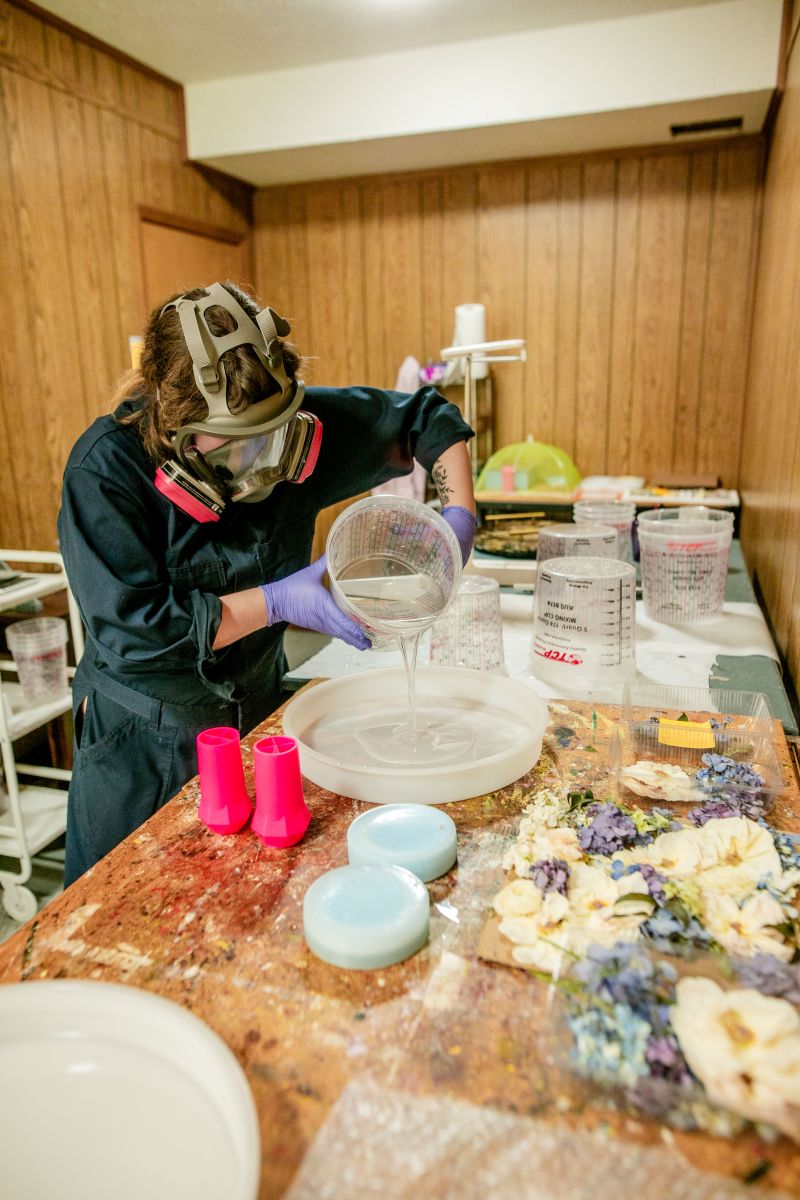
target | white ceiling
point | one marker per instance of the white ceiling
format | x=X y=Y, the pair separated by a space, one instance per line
x=196 y=40
x=282 y=91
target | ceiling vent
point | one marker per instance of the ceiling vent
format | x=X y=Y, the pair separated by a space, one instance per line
x=724 y=123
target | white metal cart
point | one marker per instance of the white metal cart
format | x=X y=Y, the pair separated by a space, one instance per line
x=33 y=814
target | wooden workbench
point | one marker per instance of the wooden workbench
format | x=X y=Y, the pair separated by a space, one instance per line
x=215 y=924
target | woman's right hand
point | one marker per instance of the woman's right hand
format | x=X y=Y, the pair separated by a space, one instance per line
x=302 y=599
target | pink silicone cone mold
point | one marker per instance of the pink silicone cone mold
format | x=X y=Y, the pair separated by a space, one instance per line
x=281 y=816
x=224 y=803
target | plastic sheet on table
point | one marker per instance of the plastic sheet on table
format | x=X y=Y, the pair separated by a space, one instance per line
x=382 y=1144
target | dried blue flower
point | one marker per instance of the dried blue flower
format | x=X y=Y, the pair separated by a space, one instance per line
x=788 y=847
x=667 y=929
x=609 y=1046
x=618 y=868
x=722 y=772
x=626 y=974
x=769 y=975
x=608 y=830
x=551 y=875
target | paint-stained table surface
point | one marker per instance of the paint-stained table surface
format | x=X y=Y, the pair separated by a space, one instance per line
x=215 y=924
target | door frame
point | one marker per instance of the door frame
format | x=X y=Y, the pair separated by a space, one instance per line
x=158 y=216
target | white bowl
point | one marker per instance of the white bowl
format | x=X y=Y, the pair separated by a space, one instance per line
x=109 y=1091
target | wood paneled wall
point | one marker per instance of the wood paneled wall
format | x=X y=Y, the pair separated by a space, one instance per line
x=84 y=140
x=629 y=275
x=770 y=466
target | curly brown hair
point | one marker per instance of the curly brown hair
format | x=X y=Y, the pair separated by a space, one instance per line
x=165 y=380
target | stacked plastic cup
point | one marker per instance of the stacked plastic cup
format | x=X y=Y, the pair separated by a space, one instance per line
x=39 y=649
x=584 y=622
x=566 y=540
x=684 y=557
x=470 y=633
x=620 y=514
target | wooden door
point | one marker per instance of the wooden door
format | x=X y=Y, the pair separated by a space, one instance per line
x=178 y=255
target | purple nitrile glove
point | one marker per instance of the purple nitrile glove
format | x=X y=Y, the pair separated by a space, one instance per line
x=302 y=599
x=463 y=524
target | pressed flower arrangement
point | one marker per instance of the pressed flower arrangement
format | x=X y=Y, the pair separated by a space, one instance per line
x=673 y=943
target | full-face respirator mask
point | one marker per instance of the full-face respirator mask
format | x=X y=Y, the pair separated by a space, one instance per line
x=270 y=442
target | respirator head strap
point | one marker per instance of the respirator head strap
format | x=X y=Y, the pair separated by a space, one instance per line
x=207 y=348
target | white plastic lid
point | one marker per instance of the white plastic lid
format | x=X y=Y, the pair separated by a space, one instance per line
x=365 y=917
x=415 y=836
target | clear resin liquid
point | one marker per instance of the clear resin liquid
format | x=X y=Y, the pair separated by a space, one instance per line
x=453 y=731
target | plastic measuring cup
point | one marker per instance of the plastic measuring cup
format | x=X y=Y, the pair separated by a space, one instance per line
x=584 y=622
x=39 y=650
x=394 y=566
x=618 y=513
x=565 y=540
x=684 y=557
x=470 y=632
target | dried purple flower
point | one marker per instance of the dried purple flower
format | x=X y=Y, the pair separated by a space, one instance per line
x=655 y=882
x=664 y=1057
x=609 y=830
x=551 y=875
x=728 y=805
x=769 y=975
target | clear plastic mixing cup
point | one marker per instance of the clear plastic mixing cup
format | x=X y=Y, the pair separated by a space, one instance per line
x=470 y=633
x=618 y=513
x=566 y=540
x=684 y=557
x=394 y=565
x=39 y=649
x=584 y=622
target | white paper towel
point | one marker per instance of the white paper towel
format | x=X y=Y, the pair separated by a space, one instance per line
x=468 y=330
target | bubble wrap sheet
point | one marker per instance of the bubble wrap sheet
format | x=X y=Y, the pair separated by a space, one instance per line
x=380 y=1144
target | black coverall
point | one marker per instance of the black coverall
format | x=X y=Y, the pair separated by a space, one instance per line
x=147 y=579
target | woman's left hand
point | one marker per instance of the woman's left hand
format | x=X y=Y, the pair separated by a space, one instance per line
x=463 y=524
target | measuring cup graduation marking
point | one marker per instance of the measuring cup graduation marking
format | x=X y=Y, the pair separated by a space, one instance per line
x=584 y=619
x=619 y=514
x=470 y=633
x=394 y=564
x=580 y=540
x=684 y=556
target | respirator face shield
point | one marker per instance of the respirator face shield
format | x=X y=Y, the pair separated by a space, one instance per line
x=271 y=441
x=247 y=467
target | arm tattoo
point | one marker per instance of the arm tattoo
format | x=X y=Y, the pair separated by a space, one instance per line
x=439 y=477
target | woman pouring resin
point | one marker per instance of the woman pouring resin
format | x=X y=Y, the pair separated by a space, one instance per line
x=186 y=527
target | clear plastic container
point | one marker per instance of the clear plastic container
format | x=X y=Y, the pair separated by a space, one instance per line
x=39 y=649
x=567 y=540
x=620 y=514
x=663 y=733
x=470 y=633
x=684 y=562
x=394 y=566
x=584 y=622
